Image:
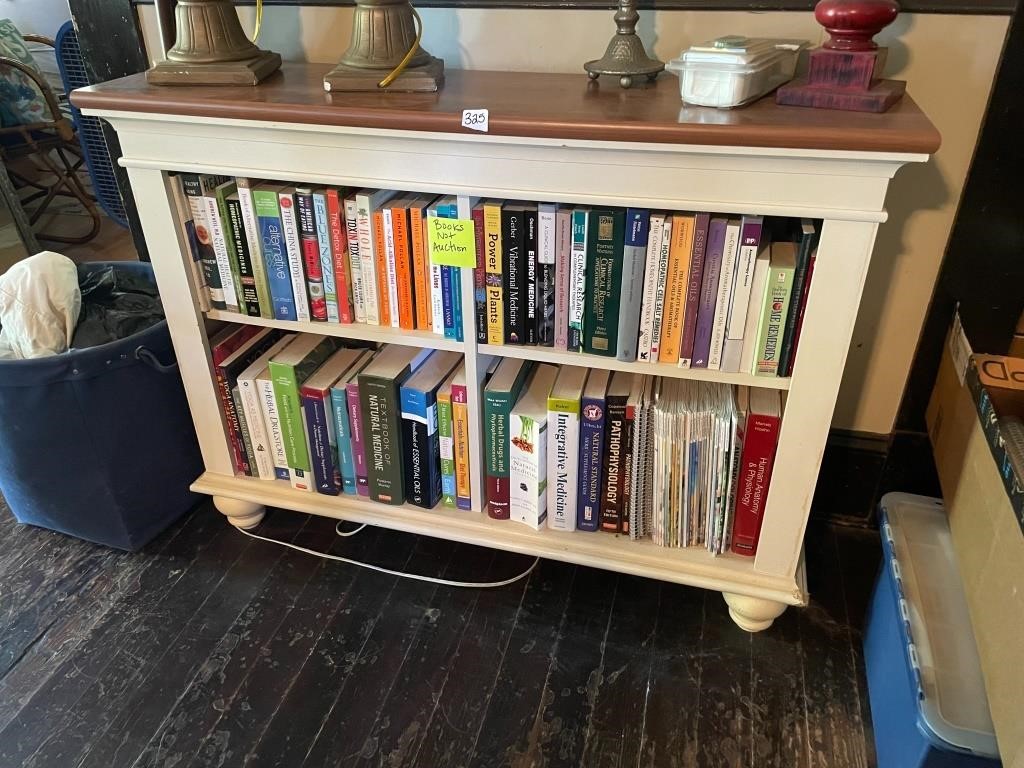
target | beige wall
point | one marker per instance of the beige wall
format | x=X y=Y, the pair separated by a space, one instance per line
x=948 y=61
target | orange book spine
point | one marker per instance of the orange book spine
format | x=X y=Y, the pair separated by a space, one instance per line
x=675 y=290
x=403 y=269
x=420 y=269
x=380 y=251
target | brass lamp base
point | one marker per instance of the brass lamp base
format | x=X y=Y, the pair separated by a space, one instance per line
x=244 y=72
x=424 y=78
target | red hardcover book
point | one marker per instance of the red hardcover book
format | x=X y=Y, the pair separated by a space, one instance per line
x=222 y=346
x=760 y=439
x=339 y=250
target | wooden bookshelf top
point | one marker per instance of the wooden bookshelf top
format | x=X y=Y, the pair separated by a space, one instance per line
x=541 y=105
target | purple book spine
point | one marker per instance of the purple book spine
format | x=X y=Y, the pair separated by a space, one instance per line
x=709 y=293
x=693 y=286
x=320 y=443
x=563 y=245
x=355 y=420
x=591 y=446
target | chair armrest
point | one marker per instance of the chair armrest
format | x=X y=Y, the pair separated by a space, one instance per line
x=40 y=39
x=62 y=124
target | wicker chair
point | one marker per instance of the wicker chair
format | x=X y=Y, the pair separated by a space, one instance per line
x=53 y=148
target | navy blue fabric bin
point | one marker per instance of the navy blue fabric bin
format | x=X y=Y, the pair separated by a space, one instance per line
x=98 y=443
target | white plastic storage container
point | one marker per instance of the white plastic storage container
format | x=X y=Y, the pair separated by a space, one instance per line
x=732 y=71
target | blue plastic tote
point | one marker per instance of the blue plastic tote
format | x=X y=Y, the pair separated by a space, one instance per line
x=98 y=443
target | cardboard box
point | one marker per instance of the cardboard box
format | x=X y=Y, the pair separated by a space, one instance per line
x=987 y=537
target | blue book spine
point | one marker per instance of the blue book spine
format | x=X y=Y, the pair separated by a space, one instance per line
x=323 y=236
x=321 y=451
x=276 y=260
x=422 y=448
x=343 y=437
x=592 y=412
x=448 y=302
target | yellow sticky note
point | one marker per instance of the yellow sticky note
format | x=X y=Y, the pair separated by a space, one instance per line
x=452 y=242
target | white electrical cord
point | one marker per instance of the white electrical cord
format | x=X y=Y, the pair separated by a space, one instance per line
x=402 y=574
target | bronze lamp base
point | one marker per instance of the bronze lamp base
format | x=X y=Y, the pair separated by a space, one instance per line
x=625 y=56
x=383 y=34
x=211 y=49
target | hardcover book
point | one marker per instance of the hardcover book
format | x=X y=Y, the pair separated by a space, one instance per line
x=528 y=463
x=227 y=379
x=325 y=240
x=318 y=410
x=217 y=223
x=645 y=331
x=275 y=254
x=807 y=244
x=440 y=282
x=758 y=457
x=578 y=278
x=750 y=242
x=309 y=243
x=379 y=385
x=251 y=227
x=679 y=252
x=660 y=289
x=355 y=262
x=368 y=201
x=604 y=280
x=592 y=421
x=288 y=370
x=493 y=256
x=343 y=425
x=776 y=308
x=460 y=435
x=187 y=227
x=634 y=256
x=384 y=249
x=563 y=447
x=755 y=308
x=531 y=242
x=293 y=247
x=222 y=346
x=420 y=428
x=480 y=275
x=420 y=261
x=340 y=256
x=694 y=282
x=800 y=313
x=629 y=450
x=500 y=393
x=513 y=242
x=193 y=186
x=546 y=272
x=252 y=406
x=275 y=438
x=708 y=293
x=403 y=262
x=355 y=422
x=563 y=247
x=614 y=452
x=726 y=286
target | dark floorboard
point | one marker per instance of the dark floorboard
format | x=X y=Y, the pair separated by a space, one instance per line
x=211 y=649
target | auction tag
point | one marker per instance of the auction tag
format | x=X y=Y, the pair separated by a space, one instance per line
x=475 y=119
x=452 y=242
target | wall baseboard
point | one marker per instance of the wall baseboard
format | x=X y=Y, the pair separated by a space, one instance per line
x=858 y=468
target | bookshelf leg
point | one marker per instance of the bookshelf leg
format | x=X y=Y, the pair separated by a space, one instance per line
x=752 y=613
x=241 y=514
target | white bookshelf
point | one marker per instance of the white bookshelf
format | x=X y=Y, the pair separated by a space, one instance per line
x=833 y=166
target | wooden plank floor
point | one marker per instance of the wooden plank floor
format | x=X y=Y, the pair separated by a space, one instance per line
x=212 y=649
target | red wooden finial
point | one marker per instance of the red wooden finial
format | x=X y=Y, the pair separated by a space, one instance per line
x=853 y=23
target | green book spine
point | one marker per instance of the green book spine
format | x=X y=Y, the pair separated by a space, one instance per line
x=446 y=437
x=497 y=414
x=286 y=380
x=604 y=281
x=229 y=244
x=382 y=436
x=773 y=320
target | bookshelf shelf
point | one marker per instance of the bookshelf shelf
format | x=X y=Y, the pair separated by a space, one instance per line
x=558 y=357
x=552 y=138
x=359 y=331
x=693 y=566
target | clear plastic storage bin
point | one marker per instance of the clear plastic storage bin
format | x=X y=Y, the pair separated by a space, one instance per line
x=732 y=71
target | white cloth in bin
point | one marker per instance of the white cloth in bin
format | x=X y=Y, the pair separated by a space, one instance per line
x=39 y=305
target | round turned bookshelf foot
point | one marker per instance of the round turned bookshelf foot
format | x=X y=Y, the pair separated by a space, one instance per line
x=752 y=614
x=241 y=514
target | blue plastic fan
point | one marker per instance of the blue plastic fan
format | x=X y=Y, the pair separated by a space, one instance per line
x=90 y=129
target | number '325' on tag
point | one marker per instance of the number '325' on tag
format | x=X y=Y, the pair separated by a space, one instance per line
x=475 y=119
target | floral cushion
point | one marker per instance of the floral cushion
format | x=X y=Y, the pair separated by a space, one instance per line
x=20 y=100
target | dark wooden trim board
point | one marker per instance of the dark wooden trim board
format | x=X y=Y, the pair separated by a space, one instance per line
x=532 y=105
x=986 y=7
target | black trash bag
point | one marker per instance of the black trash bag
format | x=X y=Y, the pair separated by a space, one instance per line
x=116 y=303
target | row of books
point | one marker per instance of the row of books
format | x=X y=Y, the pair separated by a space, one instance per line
x=389 y=423
x=685 y=463
x=692 y=289
x=286 y=252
